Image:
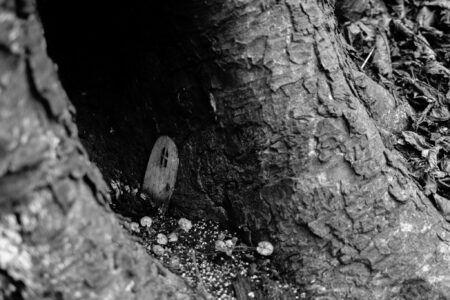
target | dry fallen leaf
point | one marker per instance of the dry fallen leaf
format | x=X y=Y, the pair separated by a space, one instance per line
x=382 y=55
x=415 y=140
x=443 y=205
x=425 y=17
x=439 y=3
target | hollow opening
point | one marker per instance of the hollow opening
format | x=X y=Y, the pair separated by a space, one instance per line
x=131 y=78
x=138 y=71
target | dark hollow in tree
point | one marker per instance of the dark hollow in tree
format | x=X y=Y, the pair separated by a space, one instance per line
x=58 y=238
x=278 y=134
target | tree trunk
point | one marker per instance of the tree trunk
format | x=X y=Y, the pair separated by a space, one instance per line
x=294 y=148
x=301 y=154
x=58 y=240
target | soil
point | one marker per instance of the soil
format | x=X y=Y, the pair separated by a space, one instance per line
x=214 y=273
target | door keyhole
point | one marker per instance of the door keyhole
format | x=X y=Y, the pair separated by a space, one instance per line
x=164 y=157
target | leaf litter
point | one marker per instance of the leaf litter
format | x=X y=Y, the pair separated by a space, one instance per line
x=404 y=45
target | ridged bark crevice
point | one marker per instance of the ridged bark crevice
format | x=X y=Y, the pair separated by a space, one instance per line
x=279 y=137
x=318 y=174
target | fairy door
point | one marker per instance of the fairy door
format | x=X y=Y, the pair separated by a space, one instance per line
x=162 y=169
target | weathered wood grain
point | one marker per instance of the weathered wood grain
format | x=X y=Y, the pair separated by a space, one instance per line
x=161 y=173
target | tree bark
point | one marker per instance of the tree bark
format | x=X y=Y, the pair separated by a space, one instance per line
x=301 y=154
x=58 y=239
x=297 y=151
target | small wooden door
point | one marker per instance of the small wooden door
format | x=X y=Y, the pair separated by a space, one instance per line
x=162 y=169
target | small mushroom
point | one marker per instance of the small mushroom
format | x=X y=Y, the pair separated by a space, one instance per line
x=264 y=248
x=174 y=262
x=173 y=237
x=220 y=246
x=185 y=224
x=135 y=227
x=158 y=250
x=229 y=243
x=161 y=239
x=146 y=222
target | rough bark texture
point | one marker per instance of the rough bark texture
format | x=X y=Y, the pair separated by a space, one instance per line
x=279 y=135
x=300 y=154
x=57 y=238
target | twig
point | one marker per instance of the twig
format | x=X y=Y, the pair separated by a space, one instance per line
x=367 y=59
x=412 y=74
x=396 y=101
x=441 y=181
x=423 y=115
x=201 y=285
x=197 y=271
